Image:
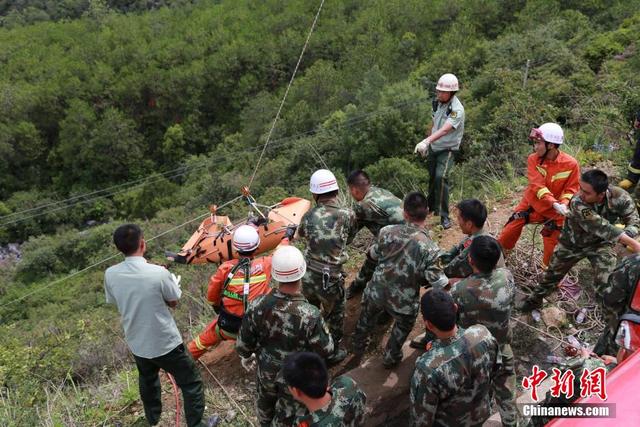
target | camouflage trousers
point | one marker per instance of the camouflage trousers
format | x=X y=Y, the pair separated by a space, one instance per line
x=327 y=293
x=365 y=274
x=369 y=313
x=504 y=387
x=607 y=342
x=602 y=259
x=275 y=405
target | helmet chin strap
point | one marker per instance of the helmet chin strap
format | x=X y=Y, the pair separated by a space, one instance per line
x=546 y=151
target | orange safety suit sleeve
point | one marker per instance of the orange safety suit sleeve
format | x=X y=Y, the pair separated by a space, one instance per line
x=537 y=188
x=571 y=186
x=214 y=293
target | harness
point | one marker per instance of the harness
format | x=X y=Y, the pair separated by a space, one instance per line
x=229 y=321
x=521 y=214
x=331 y=274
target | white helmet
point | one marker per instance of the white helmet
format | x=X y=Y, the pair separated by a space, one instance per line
x=447 y=83
x=246 y=238
x=323 y=181
x=550 y=132
x=287 y=264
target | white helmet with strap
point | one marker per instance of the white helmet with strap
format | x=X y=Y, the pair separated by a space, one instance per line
x=549 y=132
x=246 y=238
x=323 y=181
x=288 y=264
x=447 y=83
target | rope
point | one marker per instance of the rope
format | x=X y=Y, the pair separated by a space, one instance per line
x=227 y=393
x=61 y=208
x=295 y=70
x=55 y=282
x=352 y=122
x=176 y=397
x=542 y=332
x=79 y=196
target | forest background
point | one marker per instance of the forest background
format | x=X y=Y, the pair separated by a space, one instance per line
x=149 y=111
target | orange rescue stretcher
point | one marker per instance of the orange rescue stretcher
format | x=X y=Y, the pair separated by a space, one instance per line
x=211 y=243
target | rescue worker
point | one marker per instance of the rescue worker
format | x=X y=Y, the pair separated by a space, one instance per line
x=451 y=383
x=328 y=228
x=440 y=146
x=618 y=296
x=590 y=232
x=375 y=208
x=236 y=283
x=486 y=297
x=633 y=173
x=406 y=260
x=471 y=216
x=275 y=325
x=341 y=405
x=553 y=180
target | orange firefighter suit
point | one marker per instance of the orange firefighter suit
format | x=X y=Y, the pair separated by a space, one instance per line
x=231 y=288
x=549 y=182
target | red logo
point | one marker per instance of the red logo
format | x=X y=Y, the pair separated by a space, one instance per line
x=592 y=382
x=532 y=382
x=562 y=383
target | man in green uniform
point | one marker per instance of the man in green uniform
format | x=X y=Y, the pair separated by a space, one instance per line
x=406 y=260
x=471 y=216
x=486 y=297
x=442 y=143
x=590 y=232
x=276 y=325
x=328 y=229
x=375 y=208
x=617 y=298
x=341 y=405
x=452 y=381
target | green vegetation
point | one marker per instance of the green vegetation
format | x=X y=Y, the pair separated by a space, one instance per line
x=166 y=104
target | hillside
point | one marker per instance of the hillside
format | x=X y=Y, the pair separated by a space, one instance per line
x=149 y=114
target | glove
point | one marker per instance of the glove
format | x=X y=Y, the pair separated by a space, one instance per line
x=422 y=146
x=176 y=280
x=291 y=231
x=248 y=363
x=561 y=209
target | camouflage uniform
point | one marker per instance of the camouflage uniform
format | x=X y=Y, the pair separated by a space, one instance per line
x=274 y=326
x=345 y=410
x=378 y=209
x=328 y=229
x=455 y=263
x=452 y=381
x=406 y=260
x=617 y=296
x=589 y=232
x=487 y=299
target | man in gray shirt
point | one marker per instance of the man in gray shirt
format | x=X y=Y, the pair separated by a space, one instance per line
x=143 y=293
x=442 y=143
